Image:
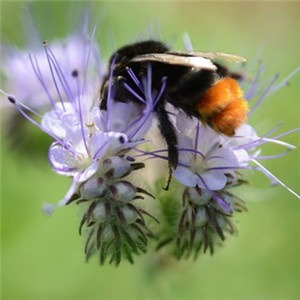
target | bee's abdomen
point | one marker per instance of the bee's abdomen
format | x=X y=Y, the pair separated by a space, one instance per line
x=222 y=106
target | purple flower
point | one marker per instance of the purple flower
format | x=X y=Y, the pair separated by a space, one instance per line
x=85 y=137
x=69 y=55
x=201 y=155
x=207 y=158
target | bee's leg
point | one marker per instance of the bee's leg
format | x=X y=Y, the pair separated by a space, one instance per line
x=168 y=132
x=169 y=179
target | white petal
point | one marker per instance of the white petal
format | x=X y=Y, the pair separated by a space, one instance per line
x=121 y=115
x=65 y=107
x=185 y=176
x=246 y=130
x=242 y=157
x=89 y=172
x=144 y=128
x=86 y=104
x=222 y=157
x=63 y=161
x=207 y=139
x=243 y=135
x=52 y=122
x=98 y=144
x=76 y=133
x=214 y=180
x=186 y=143
x=100 y=119
x=185 y=124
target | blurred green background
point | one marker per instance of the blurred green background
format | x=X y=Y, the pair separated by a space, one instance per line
x=42 y=257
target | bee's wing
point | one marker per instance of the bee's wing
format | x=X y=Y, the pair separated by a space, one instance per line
x=211 y=55
x=180 y=60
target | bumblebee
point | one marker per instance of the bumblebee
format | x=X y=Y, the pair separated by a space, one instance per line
x=195 y=84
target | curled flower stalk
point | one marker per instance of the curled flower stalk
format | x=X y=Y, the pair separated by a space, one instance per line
x=203 y=222
x=115 y=226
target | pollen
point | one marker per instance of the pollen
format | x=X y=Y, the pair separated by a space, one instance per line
x=231 y=117
x=218 y=97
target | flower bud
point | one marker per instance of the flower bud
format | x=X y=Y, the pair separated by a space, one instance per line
x=129 y=214
x=116 y=167
x=222 y=222
x=107 y=233
x=198 y=196
x=201 y=217
x=93 y=188
x=123 y=191
x=198 y=236
x=227 y=198
x=99 y=213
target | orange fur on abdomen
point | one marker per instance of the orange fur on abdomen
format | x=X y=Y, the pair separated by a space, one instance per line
x=223 y=107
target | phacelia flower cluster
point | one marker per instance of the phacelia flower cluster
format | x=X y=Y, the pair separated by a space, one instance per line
x=106 y=154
